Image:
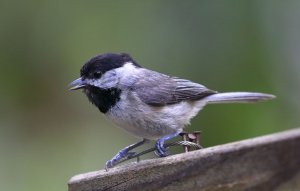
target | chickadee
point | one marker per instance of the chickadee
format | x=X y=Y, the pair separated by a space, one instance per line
x=147 y=104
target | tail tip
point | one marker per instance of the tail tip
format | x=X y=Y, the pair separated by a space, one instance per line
x=269 y=96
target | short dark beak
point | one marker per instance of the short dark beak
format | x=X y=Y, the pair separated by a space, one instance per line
x=77 y=84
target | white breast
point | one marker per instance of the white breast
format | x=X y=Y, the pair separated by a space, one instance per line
x=150 y=122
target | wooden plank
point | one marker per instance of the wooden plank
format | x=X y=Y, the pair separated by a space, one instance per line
x=270 y=162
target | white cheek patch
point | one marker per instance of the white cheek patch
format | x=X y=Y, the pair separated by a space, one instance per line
x=127 y=74
x=108 y=80
x=93 y=82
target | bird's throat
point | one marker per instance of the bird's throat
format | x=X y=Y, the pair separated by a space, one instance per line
x=104 y=99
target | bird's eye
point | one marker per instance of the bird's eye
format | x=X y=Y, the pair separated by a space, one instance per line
x=97 y=74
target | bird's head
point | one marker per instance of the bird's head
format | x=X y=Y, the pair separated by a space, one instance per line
x=100 y=78
x=100 y=71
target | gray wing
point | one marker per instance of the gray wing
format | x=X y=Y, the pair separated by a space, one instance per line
x=158 y=89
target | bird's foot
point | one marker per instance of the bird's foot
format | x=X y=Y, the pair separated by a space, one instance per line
x=122 y=155
x=161 y=151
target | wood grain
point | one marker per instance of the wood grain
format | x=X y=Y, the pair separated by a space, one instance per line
x=270 y=162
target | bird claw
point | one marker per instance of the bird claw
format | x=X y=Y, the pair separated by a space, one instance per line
x=108 y=164
x=122 y=155
x=161 y=151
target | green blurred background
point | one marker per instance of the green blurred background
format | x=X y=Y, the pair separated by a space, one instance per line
x=48 y=134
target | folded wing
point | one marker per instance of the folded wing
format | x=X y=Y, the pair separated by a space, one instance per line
x=158 y=89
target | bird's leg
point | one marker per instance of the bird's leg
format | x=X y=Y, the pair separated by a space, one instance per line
x=123 y=154
x=160 y=148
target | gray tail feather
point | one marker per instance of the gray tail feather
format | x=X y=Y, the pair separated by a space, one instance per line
x=238 y=97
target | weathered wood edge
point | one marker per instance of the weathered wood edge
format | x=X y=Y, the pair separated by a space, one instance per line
x=259 y=163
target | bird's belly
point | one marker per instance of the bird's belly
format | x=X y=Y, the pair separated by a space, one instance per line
x=153 y=122
x=140 y=126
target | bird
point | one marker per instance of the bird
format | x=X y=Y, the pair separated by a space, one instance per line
x=147 y=104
